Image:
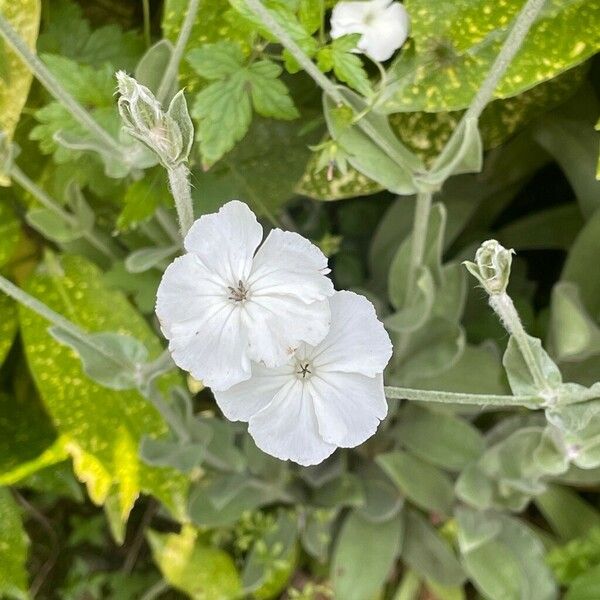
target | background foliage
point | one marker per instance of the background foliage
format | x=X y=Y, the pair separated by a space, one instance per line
x=106 y=493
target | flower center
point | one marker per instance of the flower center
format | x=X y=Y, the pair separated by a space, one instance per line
x=303 y=370
x=239 y=293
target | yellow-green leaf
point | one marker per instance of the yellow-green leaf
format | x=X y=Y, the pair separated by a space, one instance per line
x=102 y=427
x=455 y=44
x=13 y=549
x=15 y=77
x=203 y=572
x=10 y=229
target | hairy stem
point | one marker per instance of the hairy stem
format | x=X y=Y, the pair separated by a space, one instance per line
x=418 y=239
x=102 y=243
x=398 y=393
x=513 y=42
x=173 y=66
x=179 y=182
x=506 y=311
x=45 y=77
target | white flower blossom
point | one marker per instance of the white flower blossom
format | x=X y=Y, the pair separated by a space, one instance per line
x=383 y=26
x=328 y=395
x=225 y=304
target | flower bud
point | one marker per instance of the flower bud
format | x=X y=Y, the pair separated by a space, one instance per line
x=492 y=266
x=169 y=135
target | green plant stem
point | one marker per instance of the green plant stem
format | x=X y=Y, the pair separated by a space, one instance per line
x=45 y=77
x=398 y=393
x=172 y=69
x=155 y=591
x=418 y=239
x=410 y=587
x=146 y=11
x=311 y=69
x=506 y=311
x=179 y=182
x=513 y=42
x=102 y=243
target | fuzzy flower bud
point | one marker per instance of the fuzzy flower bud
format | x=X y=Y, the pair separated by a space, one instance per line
x=169 y=135
x=491 y=267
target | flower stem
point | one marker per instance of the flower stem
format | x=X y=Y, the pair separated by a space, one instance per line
x=172 y=69
x=418 y=239
x=48 y=80
x=102 y=243
x=505 y=309
x=179 y=183
x=513 y=42
x=397 y=393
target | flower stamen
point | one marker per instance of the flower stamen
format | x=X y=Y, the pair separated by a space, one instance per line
x=238 y=294
x=304 y=370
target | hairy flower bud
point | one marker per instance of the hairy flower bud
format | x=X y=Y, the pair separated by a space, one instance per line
x=169 y=135
x=492 y=266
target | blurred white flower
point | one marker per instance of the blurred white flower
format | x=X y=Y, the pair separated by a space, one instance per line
x=328 y=395
x=222 y=305
x=383 y=26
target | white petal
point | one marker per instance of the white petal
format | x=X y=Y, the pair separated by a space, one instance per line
x=287 y=428
x=356 y=342
x=348 y=406
x=277 y=325
x=290 y=265
x=287 y=299
x=386 y=33
x=349 y=17
x=226 y=241
x=245 y=399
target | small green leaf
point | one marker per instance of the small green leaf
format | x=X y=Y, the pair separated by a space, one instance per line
x=443 y=440
x=270 y=96
x=13 y=549
x=363 y=555
x=191 y=566
x=52 y=226
x=519 y=376
x=147 y=258
x=586 y=586
x=142 y=198
x=216 y=61
x=427 y=553
x=346 y=65
x=425 y=485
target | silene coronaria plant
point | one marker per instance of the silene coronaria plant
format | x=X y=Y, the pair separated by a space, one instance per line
x=241 y=355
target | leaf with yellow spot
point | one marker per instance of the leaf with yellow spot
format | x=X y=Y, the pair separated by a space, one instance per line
x=15 y=77
x=203 y=572
x=13 y=549
x=103 y=427
x=455 y=43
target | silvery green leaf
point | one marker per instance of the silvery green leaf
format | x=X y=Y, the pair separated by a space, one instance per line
x=519 y=376
x=428 y=553
x=398 y=273
x=346 y=490
x=113 y=360
x=475 y=528
x=149 y=71
x=328 y=470
x=392 y=166
x=383 y=500
x=53 y=227
x=425 y=485
x=364 y=553
x=418 y=308
x=272 y=558
x=178 y=111
x=463 y=155
x=433 y=349
x=147 y=258
x=81 y=209
x=213 y=504
x=317 y=531
x=181 y=456
x=452 y=293
x=511 y=564
x=444 y=440
x=569 y=515
x=573 y=333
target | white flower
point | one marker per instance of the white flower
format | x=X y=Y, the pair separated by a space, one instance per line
x=221 y=305
x=383 y=24
x=327 y=395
